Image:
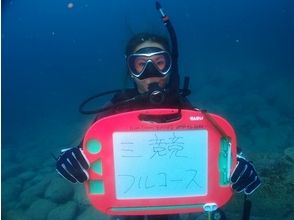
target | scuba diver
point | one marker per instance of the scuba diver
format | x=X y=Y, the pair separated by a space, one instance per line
x=152 y=63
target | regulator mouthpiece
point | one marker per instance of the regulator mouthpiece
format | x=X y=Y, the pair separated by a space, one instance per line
x=156 y=94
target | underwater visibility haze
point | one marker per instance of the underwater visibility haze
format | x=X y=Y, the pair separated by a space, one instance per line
x=239 y=57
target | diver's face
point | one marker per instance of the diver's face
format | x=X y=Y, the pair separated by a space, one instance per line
x=143 y=84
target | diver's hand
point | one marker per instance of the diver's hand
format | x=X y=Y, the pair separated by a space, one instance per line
x=72 y=165
x=244 y=177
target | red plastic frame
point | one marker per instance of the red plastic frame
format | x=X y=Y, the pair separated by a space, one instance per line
x=103 y=129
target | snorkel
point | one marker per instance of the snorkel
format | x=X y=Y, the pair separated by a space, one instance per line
x=174 y=83
x=156 y=94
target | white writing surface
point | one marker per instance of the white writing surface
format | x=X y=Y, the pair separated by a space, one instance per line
x=160 y=164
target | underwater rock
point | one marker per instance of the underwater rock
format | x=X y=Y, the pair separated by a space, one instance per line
x=80 y=197
x=289 y=161
x=16 y=214
x=274 y=197
x=67 y=211
x=289 y=155
x=91 y=213
x=10 y=194
x=10 y=190
x=40 y=209
x=26 y=201
x=28 y=175
x=33 y=192
x=37 y=179
x=47 y=170
x=59 y=190
x=10 y=171
x=37 y=189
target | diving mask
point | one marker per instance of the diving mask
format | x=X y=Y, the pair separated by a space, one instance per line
x=149 y=62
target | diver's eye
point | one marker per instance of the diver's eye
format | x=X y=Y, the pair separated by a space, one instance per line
x=160 y=62
x=140 y=64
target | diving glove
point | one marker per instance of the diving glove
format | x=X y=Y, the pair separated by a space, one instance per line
x=244 y=177
x=72 y=165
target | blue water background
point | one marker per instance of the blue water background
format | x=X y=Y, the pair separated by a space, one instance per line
x=239 y=56
x=53 y=56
